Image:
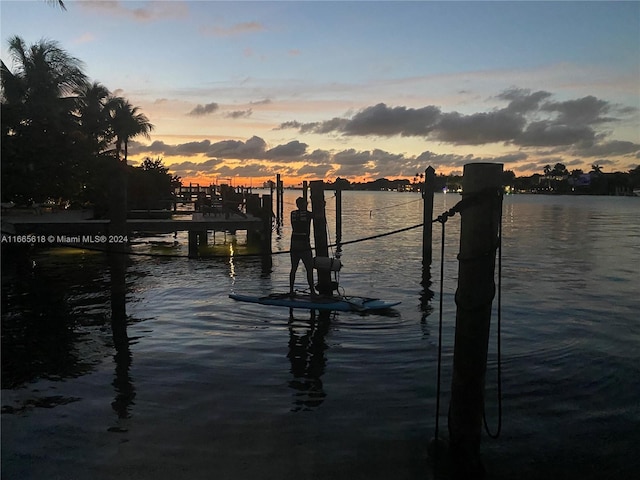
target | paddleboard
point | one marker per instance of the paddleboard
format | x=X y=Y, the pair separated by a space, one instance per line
x=305 y=301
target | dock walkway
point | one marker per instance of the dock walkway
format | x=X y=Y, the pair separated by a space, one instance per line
x=79 y=222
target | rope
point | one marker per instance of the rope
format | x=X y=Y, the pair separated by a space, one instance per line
x=498 y=341
x=439 y=369
x=459 y=207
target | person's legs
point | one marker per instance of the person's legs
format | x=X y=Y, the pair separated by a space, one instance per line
x=295 y=260
x=307 y=259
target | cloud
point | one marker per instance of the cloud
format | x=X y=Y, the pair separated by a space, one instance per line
x=551 y=133
x=479 y=128
x=292 y=150
x=237 y=29
x=84 y=38
x=521 y=100
x=254 y=148
x=583 y=111
x=239 y=114
x=532 y=128
x=201 y=110
x=379 y=120
x=185 y=149
x=613 y=147
x=151 y=11
x=530 y=119
x=193 y=169
x=385 y=121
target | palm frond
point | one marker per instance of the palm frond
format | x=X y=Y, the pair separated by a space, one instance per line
x=59 y=3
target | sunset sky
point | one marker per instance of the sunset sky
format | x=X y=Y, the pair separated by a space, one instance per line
x=359 y=90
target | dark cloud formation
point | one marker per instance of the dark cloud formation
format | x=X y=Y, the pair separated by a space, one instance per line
x=522 y=100
x=613 y=147
x=253 y=148
x=385 y=121
x=239 y=114
x=539 y=129
x=530 y=119
x=294 y=151
x=547 y=133
x=583 y=111
x=185 y=149
x=478 y=128
x=201 y=110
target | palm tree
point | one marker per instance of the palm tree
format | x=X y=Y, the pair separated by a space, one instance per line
x=44 y=78
x=38 y=117
x=127 y=123
x=45 y=67
x=596 y=169
x=94 y=103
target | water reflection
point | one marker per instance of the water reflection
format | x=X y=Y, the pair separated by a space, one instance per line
x=426 y=294
x=122 y=383
x=55 y=309
x=47 y=311
x=307 y=347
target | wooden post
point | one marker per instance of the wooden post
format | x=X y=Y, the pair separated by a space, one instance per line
x=193 y=244
x=338 y=216
x=320 y=234
x=428 y=188
x=305 y=190
x=282 y=200
x=479 y=228
x=267 y=212
x=118 y=266
x=279 y=218
x=202 y=238
x=117 y=250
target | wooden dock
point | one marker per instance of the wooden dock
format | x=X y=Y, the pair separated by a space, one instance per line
x=78 y=223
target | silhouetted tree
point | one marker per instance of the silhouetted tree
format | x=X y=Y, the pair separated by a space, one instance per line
x=508 y=177
x=94 y=103
x=559 y=170
x=150 y=185
x=58 y=129
x=127 y=122
x=40 y=157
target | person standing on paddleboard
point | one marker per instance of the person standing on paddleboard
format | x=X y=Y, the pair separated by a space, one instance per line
x=301 y=244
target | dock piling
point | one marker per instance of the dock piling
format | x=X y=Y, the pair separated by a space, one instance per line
x=479 y=230
x=320 y=234
x=428 y=189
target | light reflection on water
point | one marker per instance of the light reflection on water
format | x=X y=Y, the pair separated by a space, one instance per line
x=208 y=387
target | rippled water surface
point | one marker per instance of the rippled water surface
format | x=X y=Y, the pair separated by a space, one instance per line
x=199 y=386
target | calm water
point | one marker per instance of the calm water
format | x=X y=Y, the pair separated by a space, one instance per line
x=201 y=387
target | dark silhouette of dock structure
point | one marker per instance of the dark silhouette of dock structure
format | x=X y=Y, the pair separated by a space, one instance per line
x=243 y=212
